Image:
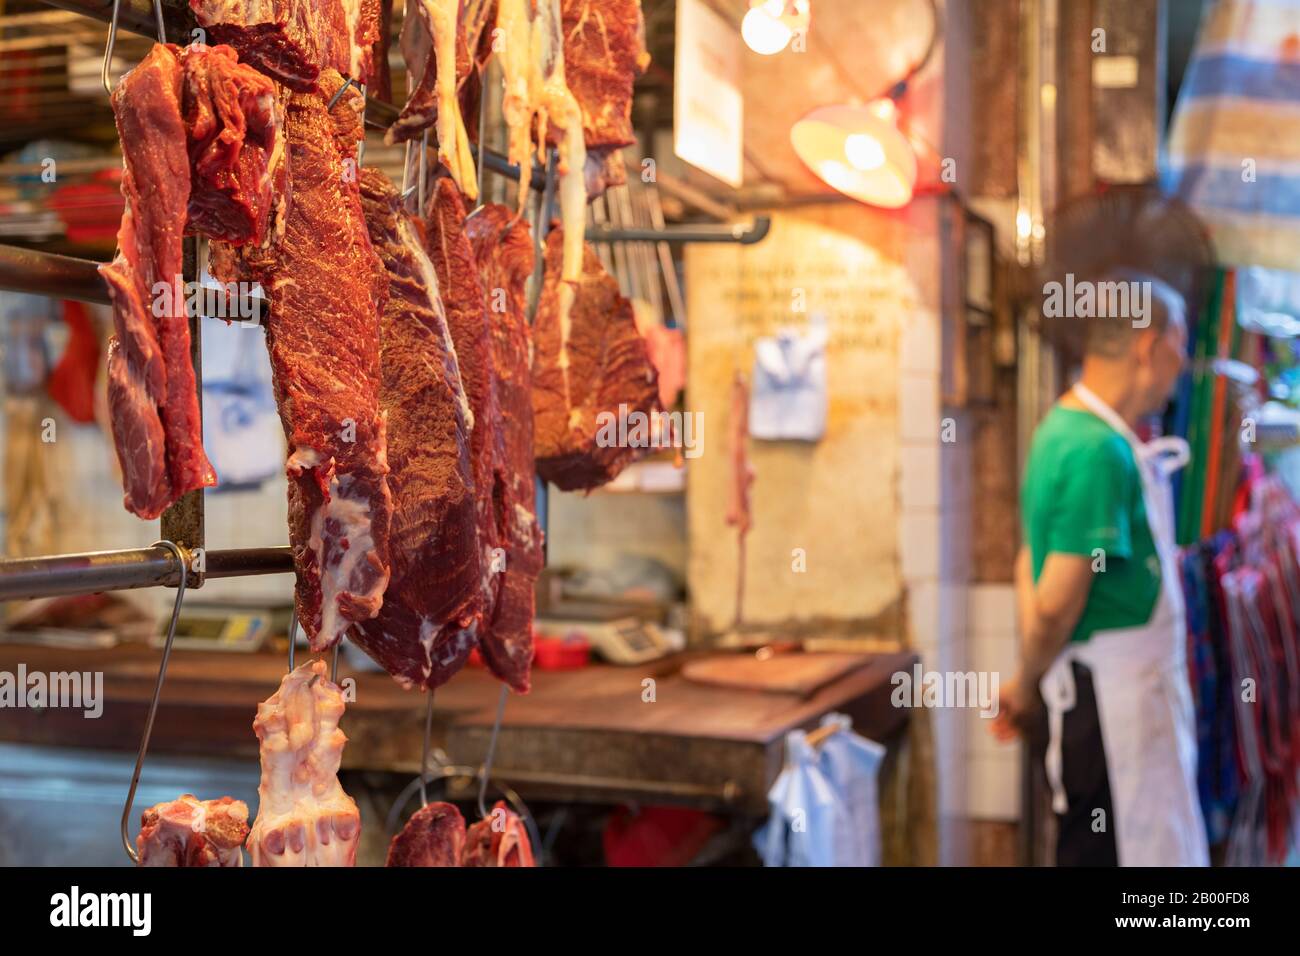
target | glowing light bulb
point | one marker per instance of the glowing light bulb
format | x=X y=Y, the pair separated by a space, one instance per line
x=763 y=29
x=864 y=152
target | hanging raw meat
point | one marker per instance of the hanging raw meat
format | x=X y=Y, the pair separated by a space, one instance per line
x=602 y=373
x=153 y=402
x=294 y=41
x=434 y=836
x=499 y=839
x=437 y=53
x=201 y=143
x=303 y=817
x=327 y=290
x=423 y=633
x=233 y=125
x=465 y=305
x=604 y=53
x=188 y=831
x=504 y=252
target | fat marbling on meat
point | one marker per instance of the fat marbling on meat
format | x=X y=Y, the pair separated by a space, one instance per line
x=327 y=290
x=424 y=630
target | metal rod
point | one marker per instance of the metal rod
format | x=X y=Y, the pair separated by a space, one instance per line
x=136 y=16
x=95 y=571
x=424 y=751
x=47 y=273
x=179 y=556
x=293 y=635
x=486 y=773
x=688 y=232
x=108 y=49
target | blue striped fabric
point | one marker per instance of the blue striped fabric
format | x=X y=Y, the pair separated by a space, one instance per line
x=1233 y=153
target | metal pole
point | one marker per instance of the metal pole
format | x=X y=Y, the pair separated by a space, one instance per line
x=156 y=566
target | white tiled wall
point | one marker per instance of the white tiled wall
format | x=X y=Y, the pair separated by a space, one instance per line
x=994 y=789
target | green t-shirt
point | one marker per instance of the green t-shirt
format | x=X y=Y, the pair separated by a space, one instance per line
x=1082 y=494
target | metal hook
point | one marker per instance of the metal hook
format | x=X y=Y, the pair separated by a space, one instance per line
x=361 y=147
x=293 y=635
x=482 y=135
x=424 y=174
x=112 y=40
x=347 y=81
x=334 y=664
x=424 y=753
x=486 y=772
x=157 y=693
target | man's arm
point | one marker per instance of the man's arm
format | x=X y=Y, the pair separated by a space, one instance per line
x=1049 y=612
x=1057 y=603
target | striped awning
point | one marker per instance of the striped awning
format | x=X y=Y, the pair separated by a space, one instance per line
x=1233 y=152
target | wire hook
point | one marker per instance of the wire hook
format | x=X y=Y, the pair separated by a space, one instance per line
x=486 y=772
x=112 y=40
x=293 y=635
x=424 y=753
x=157 y=693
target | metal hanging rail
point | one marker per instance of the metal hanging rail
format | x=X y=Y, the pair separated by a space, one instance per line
x=156 y=566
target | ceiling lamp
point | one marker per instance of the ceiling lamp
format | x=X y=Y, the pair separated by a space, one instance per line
x=769 y=25
x=860 y=151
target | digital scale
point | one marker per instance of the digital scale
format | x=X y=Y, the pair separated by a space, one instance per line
x=216 y=628
x=626 y=640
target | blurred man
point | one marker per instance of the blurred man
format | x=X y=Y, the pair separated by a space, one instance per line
x=1098 y=592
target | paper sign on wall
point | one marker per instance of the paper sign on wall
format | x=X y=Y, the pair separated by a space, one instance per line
x=708 y=108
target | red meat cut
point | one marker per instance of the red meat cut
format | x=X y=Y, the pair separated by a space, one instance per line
x=424 y=630
x=503 y=249
x=327 y=290
x=434 y=836
x=604 y=53
x=293 y=41
x=609 y=374
x=467 y=319
x=234 y=132
x=152 y=395
x=499 y=839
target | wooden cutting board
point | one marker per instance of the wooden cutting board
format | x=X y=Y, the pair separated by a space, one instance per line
x=799 y=674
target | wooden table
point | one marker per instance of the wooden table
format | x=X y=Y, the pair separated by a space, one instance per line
x=590 y=734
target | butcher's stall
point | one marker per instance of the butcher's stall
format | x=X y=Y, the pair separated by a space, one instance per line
x=693 y=732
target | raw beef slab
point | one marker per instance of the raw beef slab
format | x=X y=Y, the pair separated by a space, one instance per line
x=327 y=290
x=235 y=137
x=293 y=41
x=503 y=249
x=434 y=836
x=604 y=53
x=467 y=319
x=609 y=371
x=153 y=401
x=423 y=633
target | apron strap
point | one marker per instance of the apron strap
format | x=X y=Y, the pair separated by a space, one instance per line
x=1060 y=696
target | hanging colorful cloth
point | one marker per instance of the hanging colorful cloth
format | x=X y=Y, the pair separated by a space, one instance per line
x=1231 y=152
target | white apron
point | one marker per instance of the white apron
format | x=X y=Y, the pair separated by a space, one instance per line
x=1144 y=703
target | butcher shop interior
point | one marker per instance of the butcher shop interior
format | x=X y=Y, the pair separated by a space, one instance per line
x=649 y=433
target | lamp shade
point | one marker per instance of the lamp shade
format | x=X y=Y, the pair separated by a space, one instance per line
x=860 y=151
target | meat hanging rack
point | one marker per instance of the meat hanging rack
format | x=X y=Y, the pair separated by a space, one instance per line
x=182 y=554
